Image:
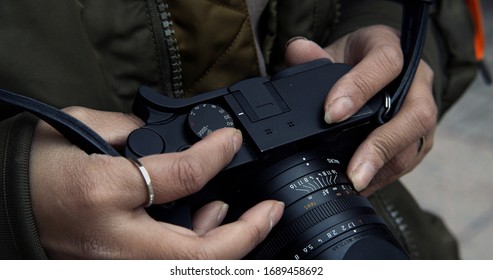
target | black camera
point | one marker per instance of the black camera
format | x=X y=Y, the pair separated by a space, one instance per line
x=289 y=154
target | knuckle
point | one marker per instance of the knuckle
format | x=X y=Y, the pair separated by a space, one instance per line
x=399 y=165
x=189 y=173
x=221 y=149
x=381 y=147
x=426 y=114
x=89 y=189
x=363 y=86
x=390 y=58
x=225 y=148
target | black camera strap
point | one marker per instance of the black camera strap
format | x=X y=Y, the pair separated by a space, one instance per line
x=413 y=36
x=74 y=130
x=415 y=16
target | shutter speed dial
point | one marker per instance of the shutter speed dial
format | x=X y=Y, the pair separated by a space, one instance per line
x=206 y=118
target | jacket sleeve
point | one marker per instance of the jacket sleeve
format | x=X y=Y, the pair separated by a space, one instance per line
x=18 y=234
x=449 y=46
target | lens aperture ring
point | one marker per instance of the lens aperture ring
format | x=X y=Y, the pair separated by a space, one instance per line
x=301 y=249
x=289 y=230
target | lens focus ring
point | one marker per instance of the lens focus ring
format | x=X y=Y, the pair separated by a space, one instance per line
x=292 y=230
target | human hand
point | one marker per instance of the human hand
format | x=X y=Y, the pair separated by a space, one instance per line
x=91 y=206
x=396 y=147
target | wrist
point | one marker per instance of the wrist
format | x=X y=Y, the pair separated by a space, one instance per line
x=18 y=236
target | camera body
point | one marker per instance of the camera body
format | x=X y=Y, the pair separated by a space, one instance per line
x=289 y=153
x=273 y=114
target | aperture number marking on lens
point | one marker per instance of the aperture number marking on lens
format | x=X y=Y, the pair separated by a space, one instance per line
x=315 y=182
x=329 y=234
x=206 y=118
x=330 y=182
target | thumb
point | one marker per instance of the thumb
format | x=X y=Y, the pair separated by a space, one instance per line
x=300 y=50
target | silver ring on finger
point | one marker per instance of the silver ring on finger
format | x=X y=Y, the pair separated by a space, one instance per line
x=147 y=180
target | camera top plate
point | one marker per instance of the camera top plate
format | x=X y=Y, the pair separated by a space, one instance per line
x=272 y=114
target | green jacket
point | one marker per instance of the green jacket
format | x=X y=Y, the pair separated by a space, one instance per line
x=96 y=54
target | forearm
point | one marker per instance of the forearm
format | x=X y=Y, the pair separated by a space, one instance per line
x=18 y=234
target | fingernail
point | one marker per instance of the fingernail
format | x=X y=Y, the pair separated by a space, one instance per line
x=362 y=175
x=222 y=213
x=276 y=213
x=294 y=39
x=338 y=110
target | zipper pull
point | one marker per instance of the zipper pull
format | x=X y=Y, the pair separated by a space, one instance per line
x=479 y=39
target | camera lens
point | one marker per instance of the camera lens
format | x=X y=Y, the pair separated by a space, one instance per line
x=324 y=217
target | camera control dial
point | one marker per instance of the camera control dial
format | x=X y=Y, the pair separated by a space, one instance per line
x=206 y=118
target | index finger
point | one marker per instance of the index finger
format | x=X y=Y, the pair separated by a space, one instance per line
x=176 y=175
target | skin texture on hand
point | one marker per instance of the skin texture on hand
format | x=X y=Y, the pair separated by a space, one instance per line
x=391 y=150
x=91 y=206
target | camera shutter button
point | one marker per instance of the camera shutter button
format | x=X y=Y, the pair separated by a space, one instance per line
x=143 y=142
x=205 y=118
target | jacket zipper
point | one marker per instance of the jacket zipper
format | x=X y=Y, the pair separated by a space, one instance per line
x=167 y=48
x=400 y=224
